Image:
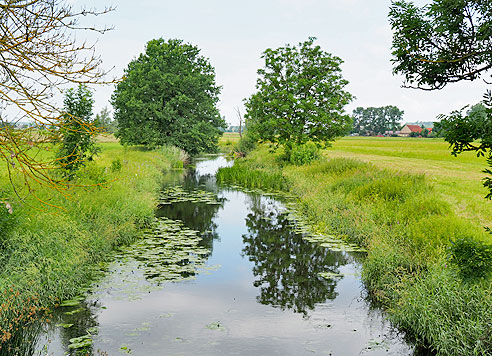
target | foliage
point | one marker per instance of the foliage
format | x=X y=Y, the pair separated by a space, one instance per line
x=168 y=97
x=38 y=55
x=473 y=258
x=300 y=97
x=471 y=131
x=443 y=42
x=77 y=145
x=374 y=121
x=304 y=154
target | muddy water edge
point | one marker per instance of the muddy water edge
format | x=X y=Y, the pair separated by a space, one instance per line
x=224 y=271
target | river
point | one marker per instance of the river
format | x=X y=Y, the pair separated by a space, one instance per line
x=227 y=272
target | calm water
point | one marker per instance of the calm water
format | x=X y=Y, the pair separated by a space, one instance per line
x=258 y=293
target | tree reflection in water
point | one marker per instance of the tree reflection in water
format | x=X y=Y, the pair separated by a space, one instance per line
x=196 y=216
x=287 y=267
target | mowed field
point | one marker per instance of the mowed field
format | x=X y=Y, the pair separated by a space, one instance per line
x=457 y=179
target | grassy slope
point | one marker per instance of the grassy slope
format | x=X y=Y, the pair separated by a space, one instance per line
x=407 y=222
x=50 y=254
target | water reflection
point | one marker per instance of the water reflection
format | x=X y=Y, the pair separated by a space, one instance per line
x=197 y=217
x=286 y=266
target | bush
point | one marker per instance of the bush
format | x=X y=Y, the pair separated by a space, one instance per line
x=304 y=154
x=473 y=258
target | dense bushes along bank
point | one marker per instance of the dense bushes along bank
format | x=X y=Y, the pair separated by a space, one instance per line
x=430 y=269
x=50 y=254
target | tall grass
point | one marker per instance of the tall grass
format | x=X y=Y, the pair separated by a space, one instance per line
x=409 y=230
x=49 y=254
x=258 y=179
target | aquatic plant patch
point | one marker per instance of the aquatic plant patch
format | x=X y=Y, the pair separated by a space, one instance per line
x=169 y=252
x=83 y=341
x=178 y=194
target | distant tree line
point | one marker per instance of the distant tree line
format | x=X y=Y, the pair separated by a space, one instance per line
x=376 y=121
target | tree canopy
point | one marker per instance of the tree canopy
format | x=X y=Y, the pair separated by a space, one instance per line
x=168 y=97
x=443 y=42
x=374 y=121
x=300 y=96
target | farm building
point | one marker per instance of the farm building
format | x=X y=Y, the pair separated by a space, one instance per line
x=407 y=130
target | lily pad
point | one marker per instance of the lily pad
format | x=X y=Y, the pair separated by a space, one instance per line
x=65 y=326
x=80 y=342
x=215 y=326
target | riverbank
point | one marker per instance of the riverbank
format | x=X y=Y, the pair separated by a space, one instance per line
x=50 y=254
x=421 y=262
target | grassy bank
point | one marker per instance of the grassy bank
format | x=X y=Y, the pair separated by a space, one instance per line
x=48 y=254
x=423 y=254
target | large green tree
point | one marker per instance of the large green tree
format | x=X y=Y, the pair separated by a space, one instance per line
x=443 y=42
x=373 y=121
x=168 y=96
x=300 y=97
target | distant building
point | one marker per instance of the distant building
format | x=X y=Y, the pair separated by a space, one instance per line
x=407 y=130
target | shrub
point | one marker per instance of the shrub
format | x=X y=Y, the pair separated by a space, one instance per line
x=304 y=154
x=473 y=258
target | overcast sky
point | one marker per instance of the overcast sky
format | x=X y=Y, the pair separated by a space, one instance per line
x=233 y=34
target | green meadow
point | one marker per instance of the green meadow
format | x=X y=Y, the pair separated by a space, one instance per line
x=420 y=214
